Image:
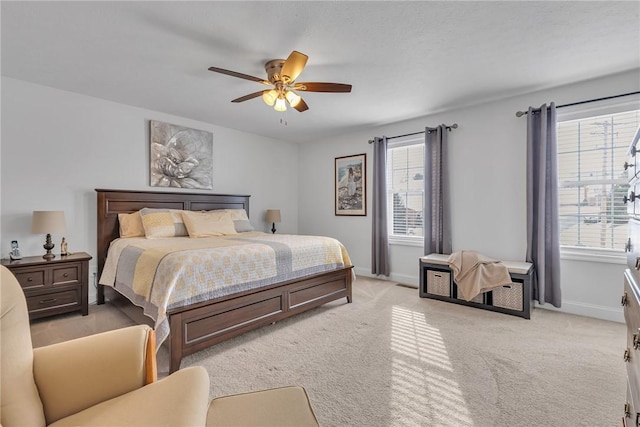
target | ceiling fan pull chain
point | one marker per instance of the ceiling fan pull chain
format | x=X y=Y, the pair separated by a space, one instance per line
x=283 y=121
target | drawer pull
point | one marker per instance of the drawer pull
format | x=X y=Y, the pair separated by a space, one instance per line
x=628 y=165
x=29 y=279
x=627 y=246
x=627 y=410
x=47 y=301
x=631 y=198
x=636 y=341
x=627 y=355
x=65 y=275
x=623 y=301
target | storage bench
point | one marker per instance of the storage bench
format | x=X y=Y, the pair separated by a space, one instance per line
x=436 y=281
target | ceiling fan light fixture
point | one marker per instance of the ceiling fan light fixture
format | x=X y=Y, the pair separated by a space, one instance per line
x=282 y=76
x=292 y=97
x=281 y=105
x=269 y=97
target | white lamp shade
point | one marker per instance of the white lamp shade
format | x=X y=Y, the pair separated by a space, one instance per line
x=273 y=215
x=293 y=98
x=48 y=222
x=281 y=105
x=269 y=97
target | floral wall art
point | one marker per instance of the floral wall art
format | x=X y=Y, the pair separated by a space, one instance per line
x=180 y=156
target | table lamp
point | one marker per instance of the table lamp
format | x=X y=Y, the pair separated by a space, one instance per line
x=47 y=222
x=273 y=216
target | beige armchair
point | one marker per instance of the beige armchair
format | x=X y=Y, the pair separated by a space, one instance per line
x=110 y=379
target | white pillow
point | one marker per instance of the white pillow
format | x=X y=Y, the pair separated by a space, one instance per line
x=238 y=214
x=160 y=223
x=207 y=224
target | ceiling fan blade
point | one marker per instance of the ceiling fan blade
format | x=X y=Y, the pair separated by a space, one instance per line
x=248 y=97
x=301 y=106
x=239 y=75
x=322 y=87
x=293 y=66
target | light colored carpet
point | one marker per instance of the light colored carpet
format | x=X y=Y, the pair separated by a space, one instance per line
x=391 y=358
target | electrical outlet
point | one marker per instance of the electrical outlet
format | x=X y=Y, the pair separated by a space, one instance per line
x=93 y=276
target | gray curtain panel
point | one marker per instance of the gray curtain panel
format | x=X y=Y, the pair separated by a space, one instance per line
x=543 y=245
x=437 y=210
x=380 y=237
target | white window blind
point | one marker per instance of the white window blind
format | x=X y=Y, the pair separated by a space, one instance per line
x=405 y=188
x=592 y=180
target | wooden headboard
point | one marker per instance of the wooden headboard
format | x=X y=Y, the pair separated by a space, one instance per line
x=113 y=202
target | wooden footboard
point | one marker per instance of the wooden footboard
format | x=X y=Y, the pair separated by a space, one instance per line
x=201 y=325
x=196 y=328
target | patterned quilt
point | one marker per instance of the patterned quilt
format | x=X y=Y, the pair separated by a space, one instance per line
x=161 y=274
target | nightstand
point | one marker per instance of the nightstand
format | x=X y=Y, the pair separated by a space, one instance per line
x=60 y=285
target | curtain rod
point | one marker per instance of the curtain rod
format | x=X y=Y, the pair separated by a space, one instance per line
x=522 y=113
x=453 y=126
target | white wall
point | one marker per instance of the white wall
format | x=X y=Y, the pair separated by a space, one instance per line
x=487 y=172
x=57 y=147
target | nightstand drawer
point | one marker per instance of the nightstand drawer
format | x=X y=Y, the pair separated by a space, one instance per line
x=66 y=275
x=30 y=278
x=61 y=300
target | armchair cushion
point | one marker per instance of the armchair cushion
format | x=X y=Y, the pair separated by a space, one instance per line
x=21 y=405
x=74 y=375
x=181 y=399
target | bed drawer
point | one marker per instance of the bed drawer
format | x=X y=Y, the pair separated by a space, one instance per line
x=313 y=292
x=230 y=318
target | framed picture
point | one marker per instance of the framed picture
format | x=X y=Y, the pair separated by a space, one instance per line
x=180 y=157
x=350 y=173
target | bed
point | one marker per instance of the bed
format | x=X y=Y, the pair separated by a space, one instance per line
x=203 y=323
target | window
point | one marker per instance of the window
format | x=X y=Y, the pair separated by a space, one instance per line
x=592 y=180
x=405 y=190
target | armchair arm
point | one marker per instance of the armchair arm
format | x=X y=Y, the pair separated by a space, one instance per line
x=77 y=374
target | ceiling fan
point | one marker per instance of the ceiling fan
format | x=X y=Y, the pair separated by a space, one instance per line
x=281 y=76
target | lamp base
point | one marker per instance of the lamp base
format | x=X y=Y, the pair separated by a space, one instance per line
x=273 y=227
x=48 y=245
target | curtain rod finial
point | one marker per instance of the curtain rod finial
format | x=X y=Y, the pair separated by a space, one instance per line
x=520 y=113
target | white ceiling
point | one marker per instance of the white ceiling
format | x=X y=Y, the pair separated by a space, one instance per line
x=404 y=59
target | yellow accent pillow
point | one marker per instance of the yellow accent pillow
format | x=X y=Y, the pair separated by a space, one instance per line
x=159 y=223
x=131 y=225
x=207 y=224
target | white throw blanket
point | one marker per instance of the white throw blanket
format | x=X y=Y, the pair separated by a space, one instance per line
x=475 y=273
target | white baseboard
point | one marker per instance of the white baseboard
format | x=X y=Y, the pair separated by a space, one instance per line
x=588 y=310
x=571 y=307
x=404 y=279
